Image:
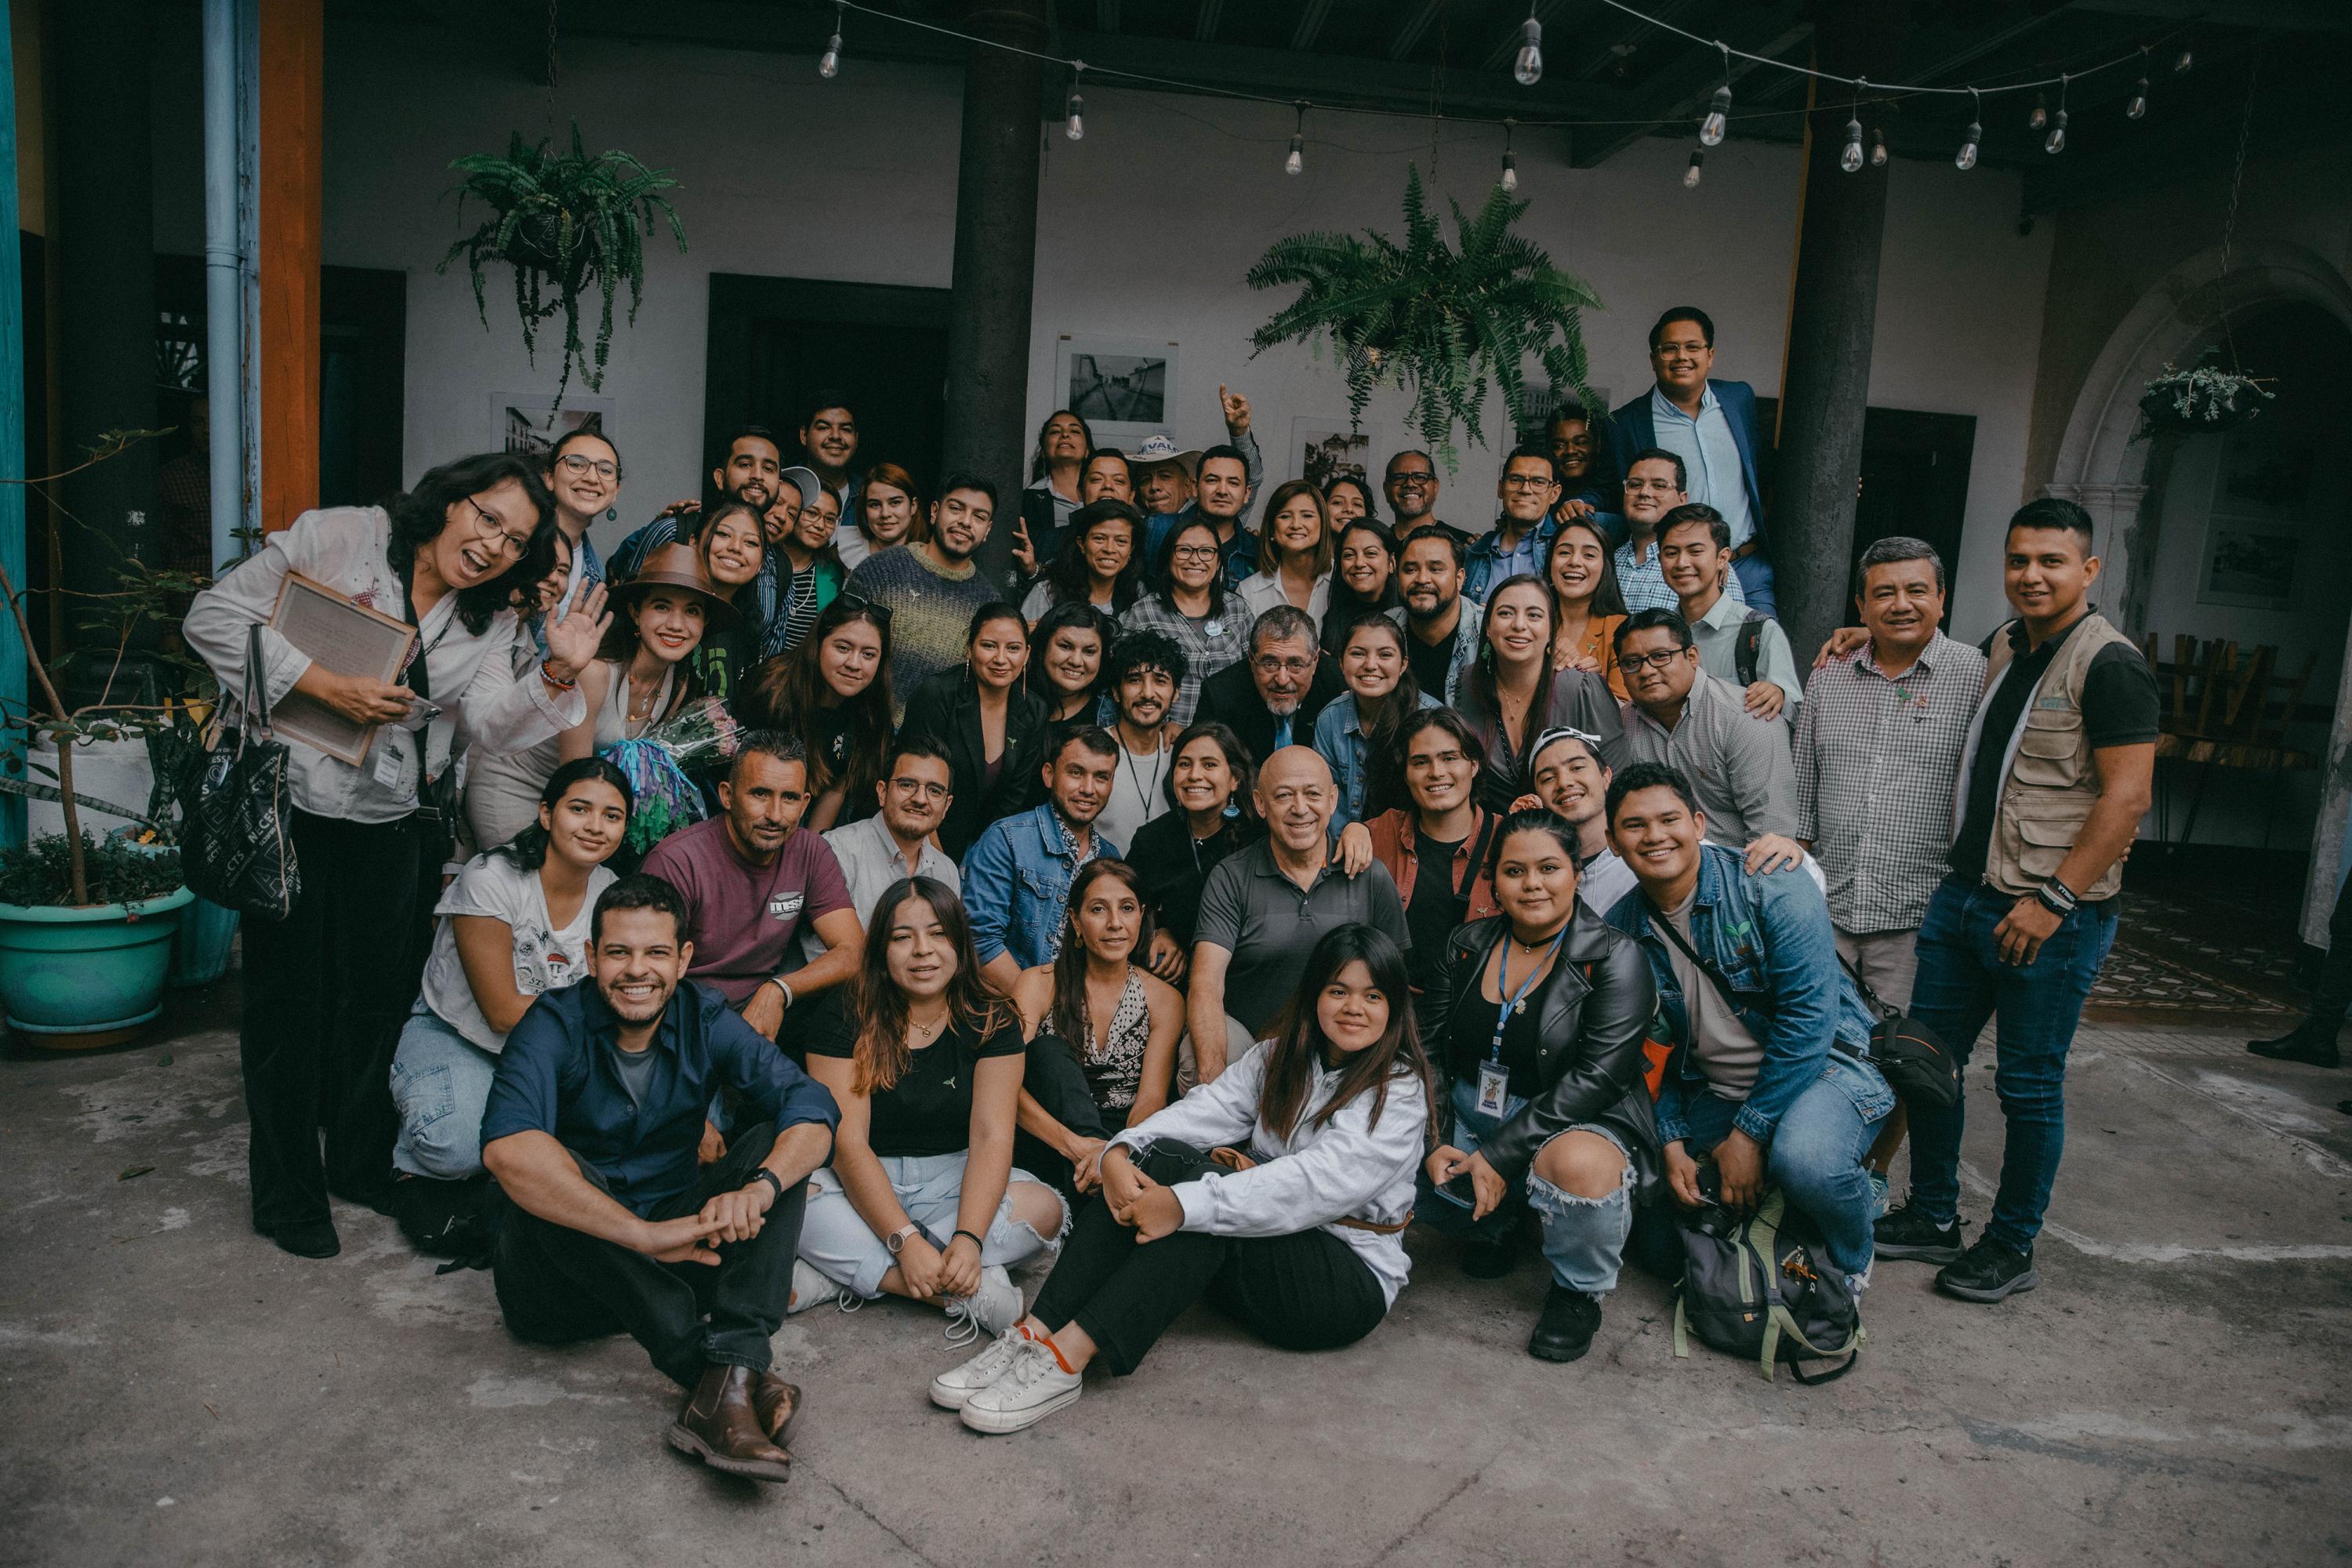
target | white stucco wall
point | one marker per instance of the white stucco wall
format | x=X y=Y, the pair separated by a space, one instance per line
x=1145 y=230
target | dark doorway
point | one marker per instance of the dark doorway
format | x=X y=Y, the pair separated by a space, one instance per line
x=1914 y=481
x=774 y=342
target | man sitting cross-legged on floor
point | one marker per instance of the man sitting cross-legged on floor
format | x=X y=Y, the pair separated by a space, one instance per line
x=1774 y=1080
x=592 y=1129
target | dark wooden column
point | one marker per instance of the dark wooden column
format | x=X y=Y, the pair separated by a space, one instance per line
x=995 y=260
x=1833 y=306
x=292 y=197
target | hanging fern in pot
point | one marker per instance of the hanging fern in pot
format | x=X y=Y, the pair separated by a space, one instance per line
x=566 y=223
x=1439 y=323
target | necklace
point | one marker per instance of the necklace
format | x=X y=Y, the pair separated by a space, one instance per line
x=919 y=1034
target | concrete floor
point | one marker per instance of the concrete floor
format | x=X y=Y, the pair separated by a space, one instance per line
x=174 y=1390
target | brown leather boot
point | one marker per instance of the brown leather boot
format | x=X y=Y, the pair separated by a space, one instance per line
x=720 y=1425
x=776 y=1403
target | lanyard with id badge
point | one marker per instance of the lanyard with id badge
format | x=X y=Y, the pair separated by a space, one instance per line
x=1493 y=1078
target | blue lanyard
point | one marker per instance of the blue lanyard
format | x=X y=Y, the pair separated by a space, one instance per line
x=1512 y=1002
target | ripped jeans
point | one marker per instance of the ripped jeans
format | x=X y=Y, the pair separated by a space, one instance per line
x=836 y=1240
x=1583 y=1238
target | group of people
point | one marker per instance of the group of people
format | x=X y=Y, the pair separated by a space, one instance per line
x=1200 y=907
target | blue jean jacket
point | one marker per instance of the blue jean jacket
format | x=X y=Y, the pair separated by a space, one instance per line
x=1016 y=881
x=1770 y=938
x=1479 y=578
x=1340 y=736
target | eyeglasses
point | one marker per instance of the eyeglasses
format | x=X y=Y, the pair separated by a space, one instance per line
x=490 y=525
x=1658 y=661
x=1526 y=482
x=576 y=465
x=1194 y=552
x=923 y=787
x=1412 y=481
x=1269 y=665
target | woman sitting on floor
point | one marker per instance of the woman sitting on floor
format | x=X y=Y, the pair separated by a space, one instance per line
x=921 y=1199
x=1102 y=1028
x=1538 y=1017
x=1295 y=1230
x=513 y=924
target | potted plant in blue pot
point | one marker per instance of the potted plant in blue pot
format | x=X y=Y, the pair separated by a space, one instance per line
x=86 y=932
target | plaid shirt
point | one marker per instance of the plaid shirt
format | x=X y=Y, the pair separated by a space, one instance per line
x=1645 y=584
x=1877 y=762
x=1203 y=654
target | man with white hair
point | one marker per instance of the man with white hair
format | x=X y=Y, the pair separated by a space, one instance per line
x=1273 y=698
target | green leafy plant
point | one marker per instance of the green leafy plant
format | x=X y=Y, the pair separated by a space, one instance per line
x=112 y=871
x=2204 y=399
x=1437 y=322
x=565 y=222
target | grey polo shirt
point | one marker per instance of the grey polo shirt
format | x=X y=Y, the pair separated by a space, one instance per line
x=1270 y=925
x=1737 y=763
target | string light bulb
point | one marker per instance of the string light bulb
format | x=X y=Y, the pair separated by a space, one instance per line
x=1077 y=123
x=1690 y=176
x=1719 y=115
x=1528 y=68
x=1510 y=163
x=2056 y=144
x=1968 y=158
x=1878 y=149
x=2039 y=118
x=1296 y=162
x=829 y=66
x=2138 y=108
x=2184 y=62
x=1851 y=159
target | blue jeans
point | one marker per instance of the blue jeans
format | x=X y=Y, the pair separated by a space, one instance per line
x=1815 y=1155
x=440 y=1081
x=1583 y=1238
x=837 y=1242
x=1962 y=982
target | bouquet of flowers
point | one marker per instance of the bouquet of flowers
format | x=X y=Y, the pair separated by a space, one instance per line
x=664 y=797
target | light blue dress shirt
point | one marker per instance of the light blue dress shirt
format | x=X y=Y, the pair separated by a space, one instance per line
x=1710 y=457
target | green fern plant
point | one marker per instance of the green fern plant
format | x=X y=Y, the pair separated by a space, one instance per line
x=1439 y=323
x=565 y=222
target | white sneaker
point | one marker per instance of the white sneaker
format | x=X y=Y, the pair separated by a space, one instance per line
x=1030 y=1389
x=813 y=1288
x=952 y=1387
x=990 y=1309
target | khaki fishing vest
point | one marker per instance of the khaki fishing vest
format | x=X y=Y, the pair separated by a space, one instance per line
x=2052 y=782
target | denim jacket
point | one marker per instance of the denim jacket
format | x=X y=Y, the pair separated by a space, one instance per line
x=1016 y=879
x=1340 y=736
x=1479 y=577
x=1770 y=938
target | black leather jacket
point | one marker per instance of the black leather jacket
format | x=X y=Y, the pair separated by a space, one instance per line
x=1589 y=1035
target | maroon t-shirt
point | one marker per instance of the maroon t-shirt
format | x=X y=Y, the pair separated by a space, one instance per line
x=741 y=918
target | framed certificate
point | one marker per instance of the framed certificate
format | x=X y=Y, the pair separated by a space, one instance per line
x=347 y=637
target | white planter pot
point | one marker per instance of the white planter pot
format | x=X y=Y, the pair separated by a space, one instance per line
x=105 y=770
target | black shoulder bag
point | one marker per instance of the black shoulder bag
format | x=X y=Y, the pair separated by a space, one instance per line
x=236 y=808
x=1916 y=1062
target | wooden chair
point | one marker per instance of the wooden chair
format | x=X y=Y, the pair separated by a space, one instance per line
x=2219 y=710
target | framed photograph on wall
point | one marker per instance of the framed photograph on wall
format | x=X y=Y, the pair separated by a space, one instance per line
x=1327 y=449
x=2250 y=564
x=1124 y=388
x=529 y=423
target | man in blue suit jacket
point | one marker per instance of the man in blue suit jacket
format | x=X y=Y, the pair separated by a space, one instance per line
x=1711 y=425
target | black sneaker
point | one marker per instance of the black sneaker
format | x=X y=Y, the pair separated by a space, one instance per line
x=1565 y=1331
x=1988 y=1271
x=1489 y=1259
x=2306 y=1045
x=1908 y=1232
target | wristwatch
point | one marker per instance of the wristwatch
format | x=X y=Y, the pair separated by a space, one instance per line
x=765 y=1175
x=897 y=1240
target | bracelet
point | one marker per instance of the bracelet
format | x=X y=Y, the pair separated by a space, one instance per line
x=975 y=1240
x=2061 y=905
x=765 y=1175
x=544 y=674
x=783 y=984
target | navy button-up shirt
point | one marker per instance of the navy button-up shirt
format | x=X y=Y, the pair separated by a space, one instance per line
x=557 y=1076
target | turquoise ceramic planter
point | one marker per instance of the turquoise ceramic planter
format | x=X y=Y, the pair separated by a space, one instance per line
x=200 y=949
x=93 y=971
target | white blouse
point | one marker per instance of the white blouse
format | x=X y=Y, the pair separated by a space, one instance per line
x=1261 y=591
x=474 y=679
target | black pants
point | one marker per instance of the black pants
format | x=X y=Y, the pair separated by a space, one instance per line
x=326 y=992
x=1306 y=1291
x=2331 y=994
x=1055 y=1079
x=556 y=1285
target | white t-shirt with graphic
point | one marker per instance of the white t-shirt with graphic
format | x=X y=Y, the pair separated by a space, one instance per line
x=545 y=959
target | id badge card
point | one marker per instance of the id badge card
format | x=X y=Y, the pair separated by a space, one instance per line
x=1494 y=1082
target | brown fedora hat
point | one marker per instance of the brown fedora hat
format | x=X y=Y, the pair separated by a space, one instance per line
x=677 y=566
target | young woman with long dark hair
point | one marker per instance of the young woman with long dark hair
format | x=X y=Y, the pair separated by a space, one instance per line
x=1538 y=1019
x=328 y=986
x=1100 y=562
x=1358 y=731
x=833 y=691
x=1514 y=690
x=583 y=475
x=731 y=541
x=1279 y=1189
x=1068 y=648
x=513 y=924
x=1210 y=783
x=1363 y=581
x=1438 y=845
x=1096 y=1000
x=1347 y=498
x=1191 y=603
x=987 y=722
x=1586 y=605
x=1294 y=553
x=1056 y=490
x=922 y=1199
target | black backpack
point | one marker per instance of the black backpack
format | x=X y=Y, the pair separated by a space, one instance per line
x=1748 y=653
x=1761 y=1285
